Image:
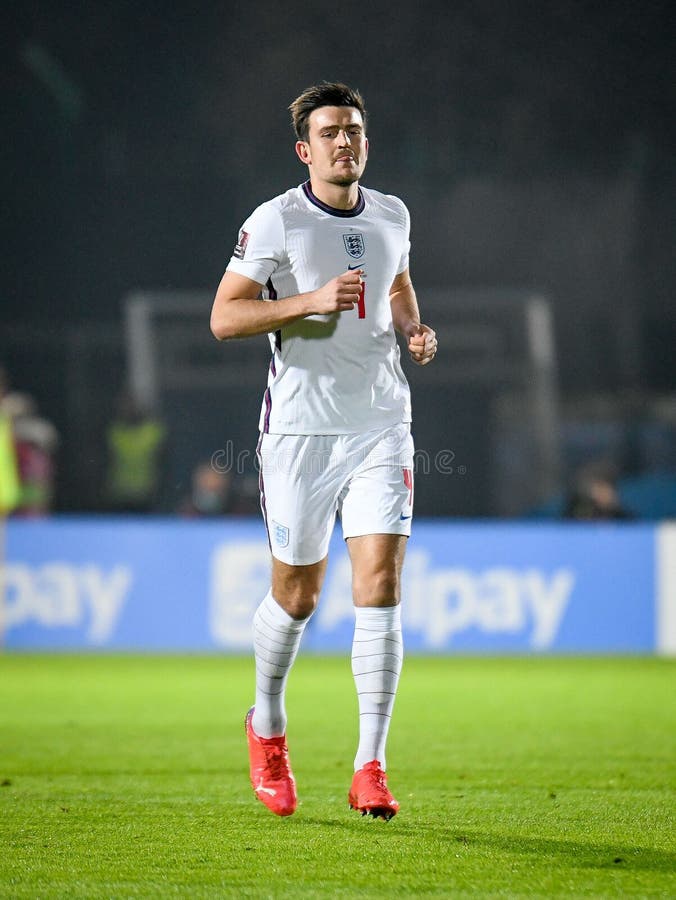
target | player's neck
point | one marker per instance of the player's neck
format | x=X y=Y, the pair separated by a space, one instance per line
x=336 y=195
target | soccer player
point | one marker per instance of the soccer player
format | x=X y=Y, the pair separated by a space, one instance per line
x=331 y=257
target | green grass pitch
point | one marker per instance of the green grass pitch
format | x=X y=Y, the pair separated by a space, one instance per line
x=126 y=776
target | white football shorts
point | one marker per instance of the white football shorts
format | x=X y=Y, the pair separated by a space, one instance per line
x=306 y=480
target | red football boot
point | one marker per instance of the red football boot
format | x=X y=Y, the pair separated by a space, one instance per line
x=369 y=793
x=270 y=772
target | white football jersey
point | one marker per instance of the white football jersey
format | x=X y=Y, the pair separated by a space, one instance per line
x=337 y=373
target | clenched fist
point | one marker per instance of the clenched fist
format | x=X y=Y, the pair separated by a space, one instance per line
x=422 y=345
x=339 y=294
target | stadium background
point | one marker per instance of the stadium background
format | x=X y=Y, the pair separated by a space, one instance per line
x=535 y=148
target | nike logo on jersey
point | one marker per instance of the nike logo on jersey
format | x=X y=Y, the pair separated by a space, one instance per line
x=354 y=267
x=403 y=517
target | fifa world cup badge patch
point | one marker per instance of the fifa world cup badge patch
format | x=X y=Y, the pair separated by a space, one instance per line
x=280 y=534
x=240 y=246
x=354 y=244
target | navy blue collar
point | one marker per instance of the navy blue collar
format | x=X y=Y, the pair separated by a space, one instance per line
x=331 y=210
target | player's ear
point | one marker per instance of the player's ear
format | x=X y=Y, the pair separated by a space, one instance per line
x=303 y=151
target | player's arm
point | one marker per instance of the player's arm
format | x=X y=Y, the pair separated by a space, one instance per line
x=421 y=339
x=238 y=312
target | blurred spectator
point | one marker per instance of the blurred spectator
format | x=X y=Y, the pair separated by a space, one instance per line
x=35 y=440
x=136 y=444
x=10 y=486
x=212 y=493
x=594 y=495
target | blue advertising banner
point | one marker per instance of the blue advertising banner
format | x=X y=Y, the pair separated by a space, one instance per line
x=477 y=587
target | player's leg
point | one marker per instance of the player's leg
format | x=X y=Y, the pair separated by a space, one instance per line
x=299 y=513
x=376 y=514
x=299 y=507
x=278 y=626
x=377 y=654
x=377 y=649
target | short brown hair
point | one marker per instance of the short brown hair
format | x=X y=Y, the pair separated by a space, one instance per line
x=328 y=93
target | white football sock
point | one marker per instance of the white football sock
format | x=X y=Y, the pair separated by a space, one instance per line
x=377 y=654
x=276 y=641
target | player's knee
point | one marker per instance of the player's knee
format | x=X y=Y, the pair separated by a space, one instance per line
x=378 y=588
x=301 y=606
x=297 y=597
x=296 y=588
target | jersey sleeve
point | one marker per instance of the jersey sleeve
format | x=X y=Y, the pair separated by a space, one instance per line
x=260 y=245
x=406 y=247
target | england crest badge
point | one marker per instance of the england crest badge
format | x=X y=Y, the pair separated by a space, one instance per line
x=280 y=534
x=354 y=244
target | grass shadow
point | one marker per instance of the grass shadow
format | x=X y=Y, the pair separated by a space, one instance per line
x=580 y=854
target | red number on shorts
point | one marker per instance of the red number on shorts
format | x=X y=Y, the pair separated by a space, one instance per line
x=361 y=305
x=408 y=481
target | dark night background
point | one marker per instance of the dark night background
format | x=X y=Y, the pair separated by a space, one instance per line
x=535 y=145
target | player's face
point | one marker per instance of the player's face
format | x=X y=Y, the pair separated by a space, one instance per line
x=337 y=148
